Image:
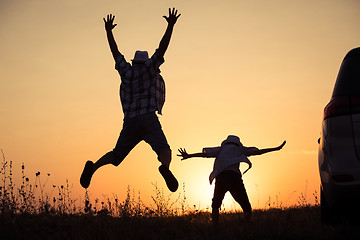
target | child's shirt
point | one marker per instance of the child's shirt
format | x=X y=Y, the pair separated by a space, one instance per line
x=228 y=157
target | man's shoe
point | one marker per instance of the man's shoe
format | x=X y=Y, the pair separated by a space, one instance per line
x=170 y=180
x=87 y=174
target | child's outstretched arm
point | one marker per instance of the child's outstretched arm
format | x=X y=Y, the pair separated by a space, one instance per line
x=186 y=155
x=266 y=150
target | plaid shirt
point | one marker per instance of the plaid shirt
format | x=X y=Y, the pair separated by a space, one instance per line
x=142 y=89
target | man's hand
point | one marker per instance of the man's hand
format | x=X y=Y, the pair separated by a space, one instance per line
x=165 y=40
x=172 y=18
x=109 y=22
x=109 y=25
x=183 y=154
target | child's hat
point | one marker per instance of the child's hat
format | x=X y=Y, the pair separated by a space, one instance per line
x=232 y=139
x=140 y=57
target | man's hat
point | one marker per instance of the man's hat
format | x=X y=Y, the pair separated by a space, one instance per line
x=140 y=57
x=232 y=139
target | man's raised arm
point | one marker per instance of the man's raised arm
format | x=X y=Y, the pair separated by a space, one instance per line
x=109 y=25
x=164 y=43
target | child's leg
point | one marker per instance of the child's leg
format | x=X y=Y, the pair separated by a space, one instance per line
x=219 y=193
x=238 y=191
x=215 y=216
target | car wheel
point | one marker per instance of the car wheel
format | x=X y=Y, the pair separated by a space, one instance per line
x=327 y=214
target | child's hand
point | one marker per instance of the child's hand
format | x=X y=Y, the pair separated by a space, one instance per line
x=183 y=153
x=281 y=146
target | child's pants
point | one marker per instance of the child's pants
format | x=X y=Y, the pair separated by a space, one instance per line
x=232 y=182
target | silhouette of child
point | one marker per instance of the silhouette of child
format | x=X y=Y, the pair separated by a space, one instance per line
x=142 y=93
x=227 y=173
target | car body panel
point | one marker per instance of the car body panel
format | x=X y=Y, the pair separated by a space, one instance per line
x=339 y=145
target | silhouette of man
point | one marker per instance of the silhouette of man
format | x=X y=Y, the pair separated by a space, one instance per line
x=227 y=173
x=142 y=93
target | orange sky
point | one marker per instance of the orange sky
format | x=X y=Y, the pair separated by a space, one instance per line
x=263 y=70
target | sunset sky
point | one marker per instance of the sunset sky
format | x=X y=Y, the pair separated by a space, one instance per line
x=262 y=70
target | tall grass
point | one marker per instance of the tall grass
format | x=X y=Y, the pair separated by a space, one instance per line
x=34 y=210
x=36 y=197
x=30 y=197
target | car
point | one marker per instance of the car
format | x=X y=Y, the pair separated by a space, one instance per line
x=339 y=144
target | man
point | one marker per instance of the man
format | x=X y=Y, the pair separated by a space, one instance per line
x=227 y=173
x=142 y=93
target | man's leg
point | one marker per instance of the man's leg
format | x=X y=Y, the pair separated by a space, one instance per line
x=126 y=142
x=91 y=167
x=165 y=158
x=155 y=137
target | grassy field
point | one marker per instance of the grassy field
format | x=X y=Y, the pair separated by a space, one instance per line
x=27 y=211
x=292 y=223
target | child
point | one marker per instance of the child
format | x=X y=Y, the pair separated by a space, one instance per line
x=227 y=173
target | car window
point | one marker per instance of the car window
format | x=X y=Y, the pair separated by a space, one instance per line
x=348 y=80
